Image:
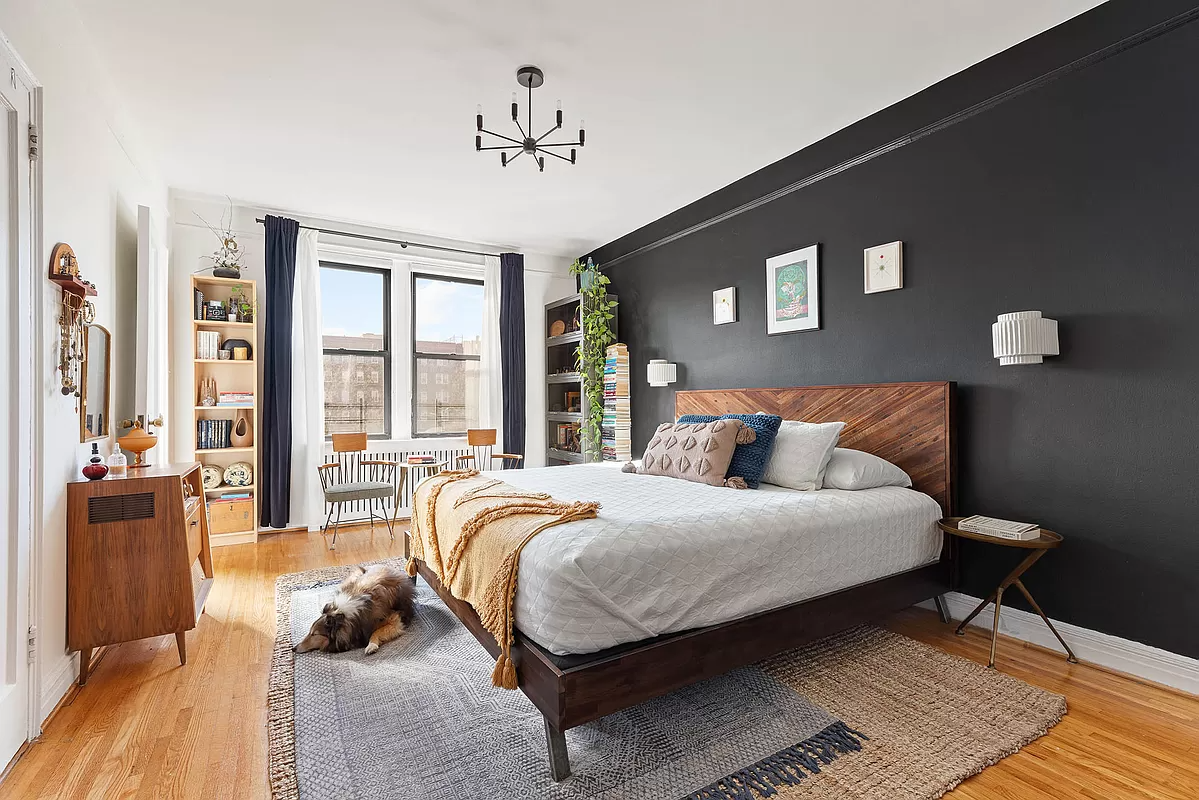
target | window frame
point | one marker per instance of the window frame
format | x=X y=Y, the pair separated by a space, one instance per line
x=385 y=353
x=417 y=355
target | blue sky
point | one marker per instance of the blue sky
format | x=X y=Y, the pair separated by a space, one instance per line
x=351 y=304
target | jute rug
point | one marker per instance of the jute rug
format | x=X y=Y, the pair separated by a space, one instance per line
x=864 y=714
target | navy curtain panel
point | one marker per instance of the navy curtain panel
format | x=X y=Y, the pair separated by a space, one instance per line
x=512 y=351
x=274 y=473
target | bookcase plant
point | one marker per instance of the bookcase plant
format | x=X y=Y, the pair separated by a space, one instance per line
x=596 y=312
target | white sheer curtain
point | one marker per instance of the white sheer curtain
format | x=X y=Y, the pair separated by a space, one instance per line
x=307 y=388
x=491 y=387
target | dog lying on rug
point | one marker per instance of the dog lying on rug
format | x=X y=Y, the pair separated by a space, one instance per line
x=371 y=608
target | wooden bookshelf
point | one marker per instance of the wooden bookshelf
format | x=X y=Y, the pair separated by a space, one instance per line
x=560 y=352
x=230 y=376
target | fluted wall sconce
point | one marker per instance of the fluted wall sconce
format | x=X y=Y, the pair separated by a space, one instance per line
x=1024 y=337
x=661 y=372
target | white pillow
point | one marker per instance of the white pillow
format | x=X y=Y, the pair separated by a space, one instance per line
x=853 y=469
x=801 y=454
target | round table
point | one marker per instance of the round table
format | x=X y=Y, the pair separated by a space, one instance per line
x=1037 y=547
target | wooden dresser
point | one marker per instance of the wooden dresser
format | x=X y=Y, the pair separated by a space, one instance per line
x=138 y=560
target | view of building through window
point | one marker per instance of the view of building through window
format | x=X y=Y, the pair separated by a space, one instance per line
x=446 y=344
x=447 y=338
x=355 y=309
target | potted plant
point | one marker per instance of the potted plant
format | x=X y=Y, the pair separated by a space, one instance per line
x=226 y=260
x=241 y=304
x=595 y=318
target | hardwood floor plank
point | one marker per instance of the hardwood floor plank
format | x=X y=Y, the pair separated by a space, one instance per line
x=146 y=727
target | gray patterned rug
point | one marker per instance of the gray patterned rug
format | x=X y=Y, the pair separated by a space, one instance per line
x=421 y=719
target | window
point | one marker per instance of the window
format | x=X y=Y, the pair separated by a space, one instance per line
x=356 y=312
x=447 y=332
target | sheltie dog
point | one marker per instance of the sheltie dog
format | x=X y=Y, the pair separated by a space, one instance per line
x=371 y=608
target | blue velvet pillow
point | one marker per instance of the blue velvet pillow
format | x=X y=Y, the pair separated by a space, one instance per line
x=749 y=460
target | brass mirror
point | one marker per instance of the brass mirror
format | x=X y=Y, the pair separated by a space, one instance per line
x=94 y=382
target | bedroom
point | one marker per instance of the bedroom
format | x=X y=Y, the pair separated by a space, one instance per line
x=411 y=292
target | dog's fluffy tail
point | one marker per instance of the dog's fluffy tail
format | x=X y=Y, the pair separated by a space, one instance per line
x=403 y=603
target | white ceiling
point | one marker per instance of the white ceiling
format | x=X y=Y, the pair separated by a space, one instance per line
x=364 y=110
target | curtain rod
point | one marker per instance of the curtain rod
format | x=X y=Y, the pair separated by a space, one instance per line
x=400 y=242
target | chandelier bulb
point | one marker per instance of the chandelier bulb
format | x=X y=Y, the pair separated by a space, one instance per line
x=582 y=134
x=514 y=111
x=572 y=155
x=559 y=113
x=503 y=159
x=478 y=142
x=541 y=164
x=479 y=118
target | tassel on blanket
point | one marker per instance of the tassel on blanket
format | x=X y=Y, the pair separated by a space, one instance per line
x=504 y=674
x=736 y=482
x=410 y=568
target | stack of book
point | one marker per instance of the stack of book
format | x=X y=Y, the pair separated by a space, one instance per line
x=1000 y=528
x=235 y=399
x=421 y=460
x=208 y=344
x=213 y=434
x=616 y=428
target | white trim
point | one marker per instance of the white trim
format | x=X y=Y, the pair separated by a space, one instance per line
x=1123 y=655
x=225 y=539
x=61 y=683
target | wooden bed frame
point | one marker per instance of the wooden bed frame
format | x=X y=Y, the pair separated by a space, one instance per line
x=909 y=424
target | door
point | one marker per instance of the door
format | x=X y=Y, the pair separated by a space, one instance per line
x=18 y=461
x=152 y=373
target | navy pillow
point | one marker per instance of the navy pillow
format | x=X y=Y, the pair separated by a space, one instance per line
x=749 y=460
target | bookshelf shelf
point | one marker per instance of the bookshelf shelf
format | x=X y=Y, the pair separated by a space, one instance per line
x=230 y=376
x=563 y=389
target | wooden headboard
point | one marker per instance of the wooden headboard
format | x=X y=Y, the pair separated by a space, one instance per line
x=909 y=424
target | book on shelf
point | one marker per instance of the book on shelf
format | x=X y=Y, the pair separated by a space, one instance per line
x=213 y=434
x=418 y=460
x=208 y=344
x=197 y=304
x=235 y=399
x=1000 y=528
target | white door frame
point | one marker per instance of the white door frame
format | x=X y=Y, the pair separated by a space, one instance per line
x=30 y=398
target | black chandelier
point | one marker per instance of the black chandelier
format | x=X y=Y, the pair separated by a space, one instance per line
x=529 y=77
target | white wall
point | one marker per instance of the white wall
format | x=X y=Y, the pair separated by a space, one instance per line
x=92 y=187
x=546 y=278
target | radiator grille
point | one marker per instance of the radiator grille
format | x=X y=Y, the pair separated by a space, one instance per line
x=351 y=470
x=120 y=508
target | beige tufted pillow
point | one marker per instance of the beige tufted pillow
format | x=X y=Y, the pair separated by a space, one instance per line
x=697 y=451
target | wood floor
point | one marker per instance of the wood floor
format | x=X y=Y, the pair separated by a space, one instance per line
x=145 y=727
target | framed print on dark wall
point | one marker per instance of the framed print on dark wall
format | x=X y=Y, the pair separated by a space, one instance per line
x=793 y=291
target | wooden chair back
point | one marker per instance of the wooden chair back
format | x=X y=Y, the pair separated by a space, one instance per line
x=349 y=442
x=481 y=442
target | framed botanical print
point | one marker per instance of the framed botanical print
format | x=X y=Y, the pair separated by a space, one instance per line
x=883 y=267
x=724 y=306
x=793 y=291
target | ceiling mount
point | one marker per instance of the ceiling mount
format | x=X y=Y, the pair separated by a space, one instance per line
x=530 y=77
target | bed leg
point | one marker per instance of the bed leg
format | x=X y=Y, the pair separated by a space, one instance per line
x=942 y=609
x=555 y=741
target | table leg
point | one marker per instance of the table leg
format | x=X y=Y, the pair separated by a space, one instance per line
x=961 y=629
x=1073 y=659
x=995 y=626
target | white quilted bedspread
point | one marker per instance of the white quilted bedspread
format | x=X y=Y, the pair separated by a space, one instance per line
x=667 y=555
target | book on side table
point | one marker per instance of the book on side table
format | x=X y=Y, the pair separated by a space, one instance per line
x=1000 y=528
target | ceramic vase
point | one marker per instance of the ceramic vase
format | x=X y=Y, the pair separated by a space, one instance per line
x=243 y=430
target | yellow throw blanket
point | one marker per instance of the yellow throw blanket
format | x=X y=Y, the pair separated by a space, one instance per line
x=470 y=530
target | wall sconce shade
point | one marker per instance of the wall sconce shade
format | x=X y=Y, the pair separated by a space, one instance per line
x=661 y=372
x=1023 y=337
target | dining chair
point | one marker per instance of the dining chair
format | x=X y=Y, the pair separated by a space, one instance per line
x=372 y=481
x=481 y=441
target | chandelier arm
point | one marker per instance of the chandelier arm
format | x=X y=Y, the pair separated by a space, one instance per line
x=516 y=142
x=518 y=155
x=520 y=128
x=500 y=147
x=547 y=133
x=555 y=155
x=560 y=144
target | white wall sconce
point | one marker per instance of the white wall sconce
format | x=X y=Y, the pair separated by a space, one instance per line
x=661 y=372
x=1023 y=337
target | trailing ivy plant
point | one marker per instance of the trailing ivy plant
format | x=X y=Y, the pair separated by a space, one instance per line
x=596 y=315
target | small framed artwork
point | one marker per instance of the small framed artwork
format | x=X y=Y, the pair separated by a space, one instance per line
x=883 y=267
x=793 y=291
x=572 y=402
x=724 y=306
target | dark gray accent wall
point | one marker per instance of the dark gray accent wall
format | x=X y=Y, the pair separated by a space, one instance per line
x=1079 y=198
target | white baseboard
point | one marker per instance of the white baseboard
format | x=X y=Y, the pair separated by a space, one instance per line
x=56 y=686
x=1124 y=655
x=224 y=539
